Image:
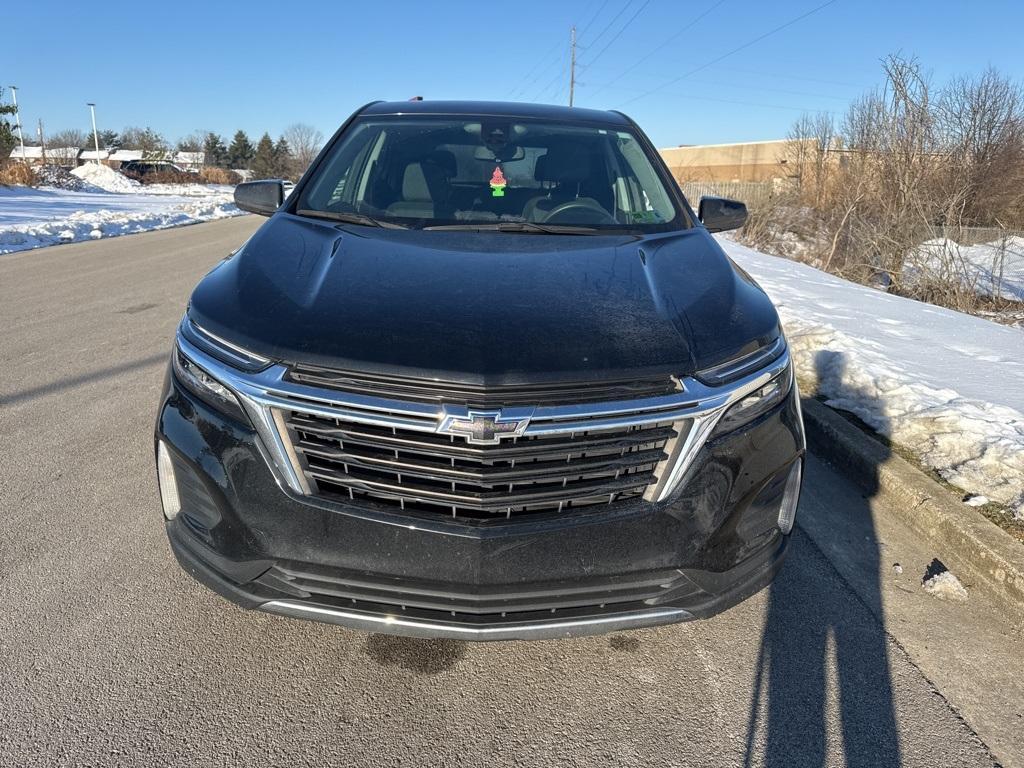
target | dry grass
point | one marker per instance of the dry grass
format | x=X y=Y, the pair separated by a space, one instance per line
x=164 y=177
x=212 y=175
x=17 y=174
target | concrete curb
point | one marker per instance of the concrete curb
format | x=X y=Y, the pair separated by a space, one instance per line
x=984 y=556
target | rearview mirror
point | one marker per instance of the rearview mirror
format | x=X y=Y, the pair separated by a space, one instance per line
x=720 y=214
x=262 y=197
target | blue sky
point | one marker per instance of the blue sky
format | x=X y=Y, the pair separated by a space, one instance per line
x=260 y=66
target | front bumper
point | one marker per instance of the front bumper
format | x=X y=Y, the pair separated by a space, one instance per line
x=712 y=544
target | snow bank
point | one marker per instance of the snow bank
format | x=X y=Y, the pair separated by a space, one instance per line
x=990 y=269
x=32 y=218
x=105 y=178
x=946 y=385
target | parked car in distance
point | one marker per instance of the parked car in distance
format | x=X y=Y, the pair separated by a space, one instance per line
x=143 y=170
x=485 y=375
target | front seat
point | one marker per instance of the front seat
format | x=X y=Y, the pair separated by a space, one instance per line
x=416 y=202
x=566 y=168
x=426 y=188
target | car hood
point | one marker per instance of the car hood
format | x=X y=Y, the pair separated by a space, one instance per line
x=484 y=307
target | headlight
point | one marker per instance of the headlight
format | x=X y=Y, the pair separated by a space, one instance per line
x=205 y=387
x=757 y=403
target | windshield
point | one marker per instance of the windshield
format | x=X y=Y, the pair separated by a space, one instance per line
x=466 y=171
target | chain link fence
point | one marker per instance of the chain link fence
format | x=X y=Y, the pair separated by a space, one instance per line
x=973 y=235
x=755 y=194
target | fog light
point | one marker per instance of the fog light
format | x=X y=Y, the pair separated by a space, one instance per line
x=790 y=498
x=167 y=481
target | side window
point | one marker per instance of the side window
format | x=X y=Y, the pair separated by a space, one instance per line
x=647 y=198
x=330 y=188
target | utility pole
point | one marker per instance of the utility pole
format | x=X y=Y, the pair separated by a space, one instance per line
x=17 y=121
x=95 y=136
x=42 y=142
x=572 y=63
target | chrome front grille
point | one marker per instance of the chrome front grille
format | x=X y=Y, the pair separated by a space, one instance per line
x=402 y=450
x=445 y=474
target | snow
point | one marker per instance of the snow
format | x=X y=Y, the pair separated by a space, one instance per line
x=991 y=269
x=948 y=386
x=946 y=586
x=976 y=500
x=105 y=178
x=33 y=218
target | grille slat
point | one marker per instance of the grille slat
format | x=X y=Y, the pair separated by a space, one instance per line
x=488 y=501
x=483 y=396
x=491 y=603
x=444 y=445
x=422 y=472
x=485 y=475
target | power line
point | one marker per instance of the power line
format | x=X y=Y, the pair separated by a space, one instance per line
x=777 y=76
x=558 y=76
x=528 y=84
x=593 y=18
x=651 y=53
x=617 y=34
x=736 y=50
x=610 y=23
x=696 y=97
x=744 y=86
x=527 y=81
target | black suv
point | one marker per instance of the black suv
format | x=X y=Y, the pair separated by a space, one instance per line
x=483 y=375
x=141 y=168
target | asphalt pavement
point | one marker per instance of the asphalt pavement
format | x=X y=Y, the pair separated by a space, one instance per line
x=111 y=655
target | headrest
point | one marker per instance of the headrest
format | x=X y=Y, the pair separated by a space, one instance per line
x=569 y=163
x=444 y=160
x=540 y=168
x=414 y=184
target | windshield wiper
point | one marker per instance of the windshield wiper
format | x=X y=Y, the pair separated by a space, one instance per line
x=519 y=226
x=350 y=218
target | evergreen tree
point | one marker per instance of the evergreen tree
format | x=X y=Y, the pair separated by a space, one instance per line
x=110 y=140
x=264 y=162
x=241 y=152
x=216 y=152
x=283 y=159
x=152 y=144
x=8 y=138
x=146 y=140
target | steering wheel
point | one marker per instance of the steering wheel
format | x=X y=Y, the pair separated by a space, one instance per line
x=591 y=210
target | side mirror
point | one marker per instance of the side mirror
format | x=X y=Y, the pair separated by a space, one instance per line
x=262 y=197
x=720 y=214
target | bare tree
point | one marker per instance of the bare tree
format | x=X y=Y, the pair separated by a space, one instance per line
x=908 y=172
x=193 y=142
x=810 y=144
x=305 y=142
x=983 y=124
x=69 y=137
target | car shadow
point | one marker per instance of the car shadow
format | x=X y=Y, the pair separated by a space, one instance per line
x=823 y=667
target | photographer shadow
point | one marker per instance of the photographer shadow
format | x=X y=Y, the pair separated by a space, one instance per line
x=823 y=670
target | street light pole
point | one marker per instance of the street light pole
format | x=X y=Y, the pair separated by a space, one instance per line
x=95 y=136
x=17 y=121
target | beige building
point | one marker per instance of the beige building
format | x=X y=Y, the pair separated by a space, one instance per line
x=746 y=161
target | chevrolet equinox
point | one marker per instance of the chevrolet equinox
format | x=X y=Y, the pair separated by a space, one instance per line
x=483 y=374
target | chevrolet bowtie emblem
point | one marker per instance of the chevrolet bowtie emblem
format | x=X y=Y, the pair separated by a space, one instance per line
x=484 y=427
